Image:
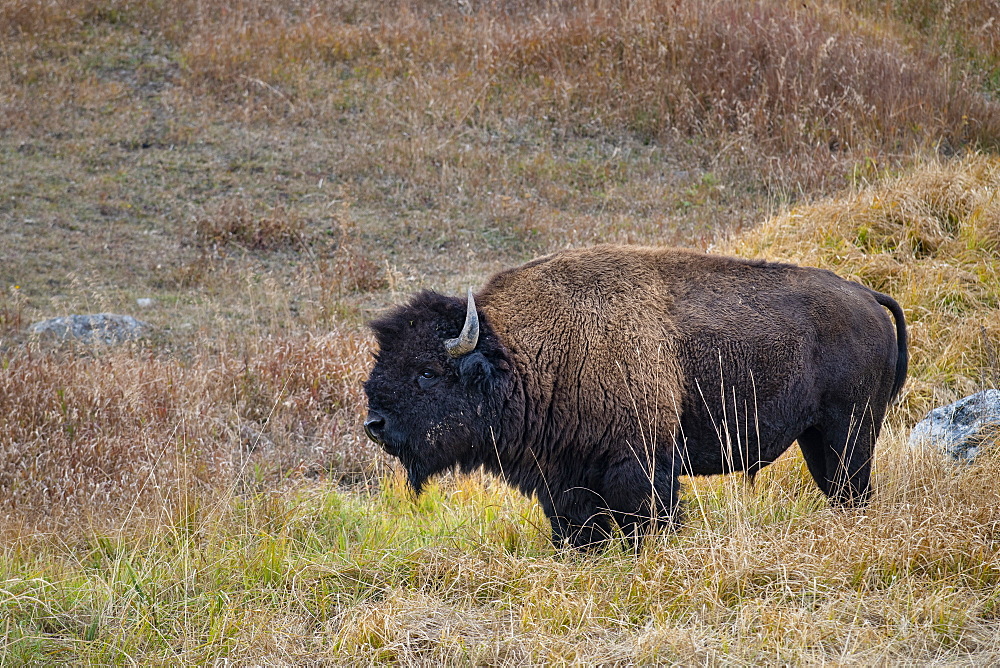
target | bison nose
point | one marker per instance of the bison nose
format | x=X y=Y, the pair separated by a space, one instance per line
x=374 y=424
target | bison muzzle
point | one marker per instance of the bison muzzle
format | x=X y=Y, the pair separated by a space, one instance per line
x=593 y=378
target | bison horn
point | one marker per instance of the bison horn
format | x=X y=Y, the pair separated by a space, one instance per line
x=469 y=337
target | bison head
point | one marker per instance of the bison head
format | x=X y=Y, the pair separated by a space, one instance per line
x=438 y=388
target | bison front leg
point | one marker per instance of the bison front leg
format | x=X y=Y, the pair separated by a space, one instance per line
x=643 y=498
x=577 y=519
x=636 y=497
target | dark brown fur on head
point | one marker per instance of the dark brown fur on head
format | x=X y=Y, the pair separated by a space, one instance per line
x=437 y=411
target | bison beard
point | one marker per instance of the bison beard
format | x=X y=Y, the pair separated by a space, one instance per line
x=593 y=378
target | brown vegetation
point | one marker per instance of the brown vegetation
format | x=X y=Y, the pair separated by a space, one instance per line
x=274 y=173
x=771 y=95
x=234 y=223
x=117 y=435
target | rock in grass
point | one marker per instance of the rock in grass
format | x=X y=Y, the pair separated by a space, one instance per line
x=960 y=429
x=109 y=328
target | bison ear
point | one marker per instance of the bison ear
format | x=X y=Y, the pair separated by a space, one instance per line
x=476 y=371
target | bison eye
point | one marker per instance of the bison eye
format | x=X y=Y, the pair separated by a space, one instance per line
x=428 y=378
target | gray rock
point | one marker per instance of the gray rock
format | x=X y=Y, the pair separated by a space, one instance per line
x=106 y=328
x=960 y=429
x=145 y=302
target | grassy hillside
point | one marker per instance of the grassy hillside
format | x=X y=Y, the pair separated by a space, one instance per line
x=272 y=174
x=366 y=145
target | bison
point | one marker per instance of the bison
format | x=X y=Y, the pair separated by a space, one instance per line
x=593 y=378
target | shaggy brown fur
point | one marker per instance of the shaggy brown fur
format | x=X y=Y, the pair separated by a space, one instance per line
x=602 y=374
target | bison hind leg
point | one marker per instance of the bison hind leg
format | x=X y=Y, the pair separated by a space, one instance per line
x=839 y=460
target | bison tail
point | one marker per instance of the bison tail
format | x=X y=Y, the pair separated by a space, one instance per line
x=902 y=357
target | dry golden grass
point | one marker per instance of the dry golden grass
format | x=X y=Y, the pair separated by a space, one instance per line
x=95 y=440
x=273 y=173
x=177 y=544
x=465 y=575
x=969 y=30
x=781 y=94
x=751 y=81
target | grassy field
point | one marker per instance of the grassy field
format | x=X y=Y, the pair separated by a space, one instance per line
x=273 y=174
